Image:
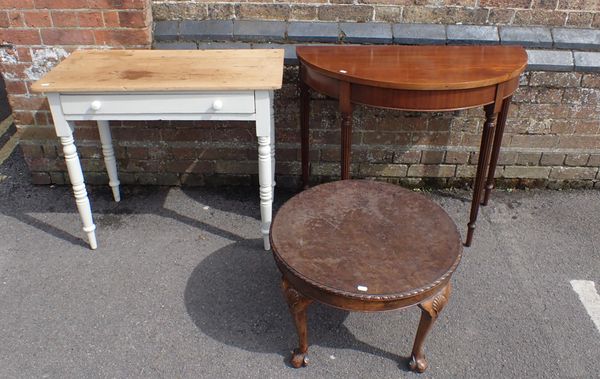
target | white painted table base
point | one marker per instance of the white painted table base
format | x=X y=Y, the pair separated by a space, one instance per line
x=214 y=105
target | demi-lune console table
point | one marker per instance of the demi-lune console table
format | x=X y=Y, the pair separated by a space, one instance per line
x=415 y=78
x=163 y=85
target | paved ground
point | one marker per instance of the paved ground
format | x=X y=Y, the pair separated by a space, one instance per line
x=180 y=287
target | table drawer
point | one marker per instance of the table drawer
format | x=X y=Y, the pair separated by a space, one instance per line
x=214 y=102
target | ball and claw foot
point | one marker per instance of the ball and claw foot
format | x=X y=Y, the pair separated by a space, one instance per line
x=299 y=359
x=417 y=365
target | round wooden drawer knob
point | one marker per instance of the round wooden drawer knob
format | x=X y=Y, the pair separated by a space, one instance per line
x=217 y=105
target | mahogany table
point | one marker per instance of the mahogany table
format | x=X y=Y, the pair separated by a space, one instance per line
x=362 y=245
x=415 y=78
x=163 y=85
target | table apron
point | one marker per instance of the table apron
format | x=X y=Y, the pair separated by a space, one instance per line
x=211 y=105
x=409 y=100
x=341 y=301
x=162 y=116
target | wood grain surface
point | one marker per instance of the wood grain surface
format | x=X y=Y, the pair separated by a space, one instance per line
x=165 y=70
x=345 y=235
x=417 y=67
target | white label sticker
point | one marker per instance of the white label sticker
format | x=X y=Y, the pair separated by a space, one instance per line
x=362 y=288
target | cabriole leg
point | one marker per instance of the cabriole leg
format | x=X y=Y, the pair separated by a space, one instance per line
x=430 y=309
x=109 y=159
x=81 y=198
x=298 y=304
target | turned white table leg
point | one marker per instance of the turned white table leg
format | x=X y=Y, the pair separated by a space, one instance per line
x=264 y=132
x=272 y=135
x=265 y=178
x=81 y=198
x=109 y=159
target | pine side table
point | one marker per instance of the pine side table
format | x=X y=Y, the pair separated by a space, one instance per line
x=415 y=78
x=163 y=85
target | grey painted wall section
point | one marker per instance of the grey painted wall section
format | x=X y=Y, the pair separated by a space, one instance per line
x=549 y=49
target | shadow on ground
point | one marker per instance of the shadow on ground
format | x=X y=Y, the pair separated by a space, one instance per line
x=241 y=305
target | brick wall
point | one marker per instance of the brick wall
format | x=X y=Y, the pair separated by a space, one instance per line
x=36 y=34
x=552 y=137
x=576 y=13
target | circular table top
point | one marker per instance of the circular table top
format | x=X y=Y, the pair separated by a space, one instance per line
x=366 y=240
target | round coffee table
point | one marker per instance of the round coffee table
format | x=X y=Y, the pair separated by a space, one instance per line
x=361 y=245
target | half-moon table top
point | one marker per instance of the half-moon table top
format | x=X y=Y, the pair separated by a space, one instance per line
x=165 y=70
x=417 y=67
x=366 y=240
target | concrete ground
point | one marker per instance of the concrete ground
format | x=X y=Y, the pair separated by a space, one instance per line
x=180 y=288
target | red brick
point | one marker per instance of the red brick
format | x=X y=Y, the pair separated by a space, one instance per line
x=40 y=178
x=32 y=151
x=37 y=19
x=118 y=4
x=505 y=3
x=27 y=103
x=111 y=19
x=16 y=87
x=432 y=157
x=41 y=118
x=544 y=4
x=60 y=4
x=591 y=80
x=24 y=54
x=16 y=19
x=582 y=112
x=14 y=71
x=133 y=134
x=12 y=4
x=123 y=37
x=576 y=159
x=555 y=79
x=431 y=170
x=457 y=157
x=137 y=152
x=20 y=37
x=534 y=141
x=67 y=37
x=4 y=21
x=385 y=138
x=552 y=159
x=90 y=19
x=580 y=19
x=526 y=172
x=579 y=142
x=434 y=139
x=530 y=17
x=64 y=19
x=134 y=19
x=586 y=126
x=23 y=118
x=569 y=173
x=499 y=16
x=562 y=127
x=580 y=5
